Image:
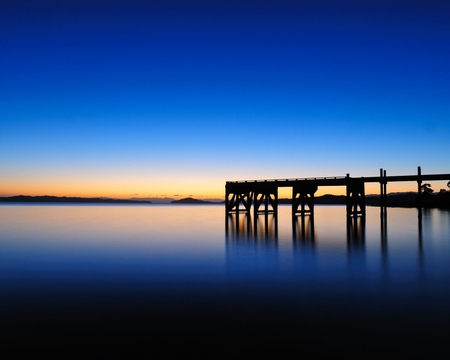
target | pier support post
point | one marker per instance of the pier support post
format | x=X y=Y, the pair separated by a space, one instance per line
x=356 y=197
x=237 y=194
x=267 y=194
x=302 y=196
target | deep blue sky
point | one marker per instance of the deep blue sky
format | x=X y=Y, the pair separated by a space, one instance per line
x=157 y=98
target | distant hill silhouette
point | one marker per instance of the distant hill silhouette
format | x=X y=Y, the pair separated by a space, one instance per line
x=65 y=199
x=401 y=199
x=190 y=200
x=156 y=200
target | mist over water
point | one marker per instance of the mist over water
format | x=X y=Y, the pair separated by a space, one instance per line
x=116 y=275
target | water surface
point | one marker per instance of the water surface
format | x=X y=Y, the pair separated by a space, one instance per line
x=189 y=275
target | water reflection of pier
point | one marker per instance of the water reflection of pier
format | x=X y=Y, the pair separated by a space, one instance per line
x=264 y=229
x=424 y=216
x=261 y=244
x=245 y=228
x=303 y=230
x=356 y=231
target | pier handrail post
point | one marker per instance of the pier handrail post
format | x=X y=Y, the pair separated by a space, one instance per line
x=381 y=190
x=385 y=188
x=419 y=191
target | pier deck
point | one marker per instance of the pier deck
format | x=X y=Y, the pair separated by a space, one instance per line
x=262 y=195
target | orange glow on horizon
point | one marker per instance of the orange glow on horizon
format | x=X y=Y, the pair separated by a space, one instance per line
x=173 y=189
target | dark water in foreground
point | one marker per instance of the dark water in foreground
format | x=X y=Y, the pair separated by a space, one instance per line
x=91 y=280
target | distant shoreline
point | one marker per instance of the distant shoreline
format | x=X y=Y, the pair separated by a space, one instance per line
x=405 y=200
x=95 y=200
x=65 y=199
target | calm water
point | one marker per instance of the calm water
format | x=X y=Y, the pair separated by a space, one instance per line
x=138 y=276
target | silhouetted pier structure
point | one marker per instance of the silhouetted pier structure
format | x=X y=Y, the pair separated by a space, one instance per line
x=262 y=195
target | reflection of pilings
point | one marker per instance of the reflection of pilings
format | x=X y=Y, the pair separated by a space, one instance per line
x=247 y=250
x=383 y=232
x=266 y=226
x=421 y=219
x=356 y=235
x=356 y=231
x=384 y=245
x=420 y=223
x=242 y=228
x=303 y=229
x=238 y=226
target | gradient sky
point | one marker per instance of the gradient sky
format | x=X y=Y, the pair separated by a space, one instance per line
x=164 y=98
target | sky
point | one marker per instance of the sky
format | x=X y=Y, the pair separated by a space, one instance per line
x=173 y=98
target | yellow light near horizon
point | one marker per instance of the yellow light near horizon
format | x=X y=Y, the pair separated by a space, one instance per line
x=123 y=188
x=115 y=188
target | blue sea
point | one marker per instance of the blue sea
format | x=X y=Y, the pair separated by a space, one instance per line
x=80 y=280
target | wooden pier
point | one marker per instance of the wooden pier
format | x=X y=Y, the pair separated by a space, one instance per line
x=262 y=195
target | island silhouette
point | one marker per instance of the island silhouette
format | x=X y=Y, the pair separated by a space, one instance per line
x=190 y=200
